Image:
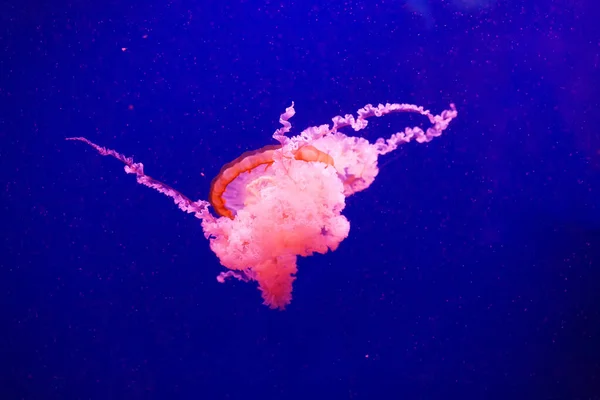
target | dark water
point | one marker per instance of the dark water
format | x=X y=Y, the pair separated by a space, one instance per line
x=471 y=269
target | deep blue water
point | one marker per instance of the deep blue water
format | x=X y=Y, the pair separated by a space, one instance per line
x=471 y=269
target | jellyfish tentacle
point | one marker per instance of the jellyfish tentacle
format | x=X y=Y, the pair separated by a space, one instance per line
x=198 y=208
x=280 y=134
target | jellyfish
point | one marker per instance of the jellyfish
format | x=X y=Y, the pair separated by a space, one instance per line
x=285 y=200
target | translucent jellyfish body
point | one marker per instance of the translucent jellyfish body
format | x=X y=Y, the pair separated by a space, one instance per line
x=286 y=200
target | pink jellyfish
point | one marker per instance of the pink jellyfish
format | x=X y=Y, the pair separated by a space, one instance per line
x=286 y=200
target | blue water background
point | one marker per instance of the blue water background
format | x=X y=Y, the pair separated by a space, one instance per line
x=471 y=268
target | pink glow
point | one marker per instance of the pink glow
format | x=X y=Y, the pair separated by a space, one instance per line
x=293 y=208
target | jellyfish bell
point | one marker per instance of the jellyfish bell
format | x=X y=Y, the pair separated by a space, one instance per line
x=286 y=200
x=238 y=178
